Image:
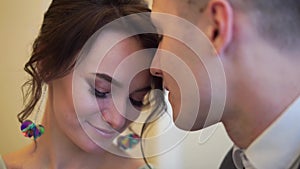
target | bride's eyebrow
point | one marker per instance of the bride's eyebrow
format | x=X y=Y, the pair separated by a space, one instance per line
x=108 y=79
x=147 y=88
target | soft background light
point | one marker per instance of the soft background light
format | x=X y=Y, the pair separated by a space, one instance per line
x=19 y=25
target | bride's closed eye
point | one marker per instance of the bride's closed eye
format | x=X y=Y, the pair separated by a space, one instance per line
x=100 y=94
x=136 y=103
x=100 y=87
x=137 y=98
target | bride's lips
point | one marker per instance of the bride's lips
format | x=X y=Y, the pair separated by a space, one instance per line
x=103 y=132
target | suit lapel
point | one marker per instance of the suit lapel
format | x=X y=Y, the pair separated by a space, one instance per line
x=227 y=162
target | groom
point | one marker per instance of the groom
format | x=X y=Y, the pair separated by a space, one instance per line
x=258 y=43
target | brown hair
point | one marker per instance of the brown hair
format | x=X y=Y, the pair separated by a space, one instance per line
x=66 y=27
x=275 y=20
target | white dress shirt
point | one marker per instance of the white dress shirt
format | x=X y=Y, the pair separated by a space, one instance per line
x=278 y=147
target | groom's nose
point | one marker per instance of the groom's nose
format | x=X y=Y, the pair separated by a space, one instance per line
x=155 y=68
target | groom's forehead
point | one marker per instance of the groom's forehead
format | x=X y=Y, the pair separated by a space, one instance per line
x=182 y=5
x=167 y=3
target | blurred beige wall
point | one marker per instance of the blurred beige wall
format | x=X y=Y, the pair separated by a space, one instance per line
x=19 y=25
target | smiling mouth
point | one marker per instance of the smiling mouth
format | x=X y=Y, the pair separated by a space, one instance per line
x=103 y=132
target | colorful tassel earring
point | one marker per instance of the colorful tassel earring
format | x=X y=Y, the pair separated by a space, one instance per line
x=29 y=129
x=128 y=141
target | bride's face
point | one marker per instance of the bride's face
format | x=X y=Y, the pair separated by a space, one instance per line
x=103 y=94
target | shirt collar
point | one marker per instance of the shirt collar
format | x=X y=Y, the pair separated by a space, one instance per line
x=237 y=157
x=279 y=145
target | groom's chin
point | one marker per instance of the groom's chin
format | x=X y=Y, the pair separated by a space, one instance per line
x=188 y=124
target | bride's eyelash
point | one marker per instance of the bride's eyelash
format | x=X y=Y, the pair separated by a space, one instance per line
x=103 y=95
x=136 y=103
x=99 y=94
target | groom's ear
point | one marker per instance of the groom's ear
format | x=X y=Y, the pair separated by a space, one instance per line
x=219 y=27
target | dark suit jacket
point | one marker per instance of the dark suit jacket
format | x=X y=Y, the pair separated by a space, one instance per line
x=228 y=162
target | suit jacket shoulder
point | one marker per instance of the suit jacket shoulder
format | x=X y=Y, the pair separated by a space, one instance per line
x=228 y=163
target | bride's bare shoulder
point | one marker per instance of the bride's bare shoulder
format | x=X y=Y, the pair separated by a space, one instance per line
x=18 y=159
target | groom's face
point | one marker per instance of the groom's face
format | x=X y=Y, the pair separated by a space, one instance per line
x=182 y=69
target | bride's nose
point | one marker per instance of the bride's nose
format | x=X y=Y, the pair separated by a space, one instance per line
x=114 y=116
